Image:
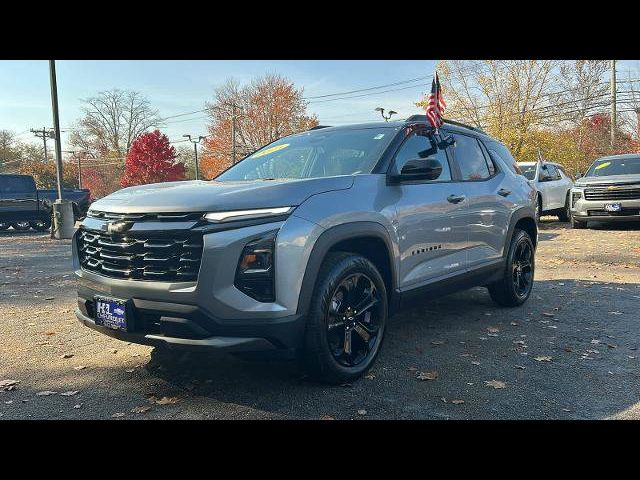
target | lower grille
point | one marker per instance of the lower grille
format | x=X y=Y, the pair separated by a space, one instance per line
x=141 y=256
x=625 y=212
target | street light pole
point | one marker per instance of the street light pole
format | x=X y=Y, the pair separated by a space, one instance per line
x=386 y=118
x=195 y=151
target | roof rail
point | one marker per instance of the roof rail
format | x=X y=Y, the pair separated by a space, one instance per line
x=423 y=118
x=318 y=126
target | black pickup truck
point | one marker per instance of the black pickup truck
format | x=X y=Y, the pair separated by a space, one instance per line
x=22 y=206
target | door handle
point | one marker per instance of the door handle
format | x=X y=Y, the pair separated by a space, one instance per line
x=455 y=198
x=504 y=192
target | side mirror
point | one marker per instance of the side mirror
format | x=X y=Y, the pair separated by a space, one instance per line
x=420 y=169
x=579 y=175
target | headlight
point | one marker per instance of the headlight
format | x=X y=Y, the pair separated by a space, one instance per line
x=575 y=196
x=255 y=271
x=247 y=214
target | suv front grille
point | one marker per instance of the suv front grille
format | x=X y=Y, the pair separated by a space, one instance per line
x=173 y=256
x=619 y=193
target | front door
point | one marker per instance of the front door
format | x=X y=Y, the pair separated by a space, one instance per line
x=430 y=217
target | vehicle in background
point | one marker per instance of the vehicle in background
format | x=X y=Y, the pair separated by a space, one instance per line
x=306 y=246
x=553 y=185
x=608 y=192
x=23 y=206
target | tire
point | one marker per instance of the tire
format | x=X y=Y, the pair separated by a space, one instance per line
x=564 y=215
x=345 y=281
x=577 y=224
x=21 y=226
x=41 y=225
x=505 y=292
x=4 y=225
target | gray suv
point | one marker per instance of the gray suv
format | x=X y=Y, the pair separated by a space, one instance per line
x=306 y=247
x=608 y=192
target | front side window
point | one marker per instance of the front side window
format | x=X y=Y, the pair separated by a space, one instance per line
x=614 y=166
x=421 y=145
x=318 y=153
x=529 y=171
x=550 y=172
x=470 y=158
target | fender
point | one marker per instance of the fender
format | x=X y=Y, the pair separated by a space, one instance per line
x=523 y=212
x=331 y=237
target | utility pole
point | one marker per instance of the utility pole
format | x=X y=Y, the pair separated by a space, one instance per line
x=44 y=134
x=77 y=159
x=195 y=151
x=63 y=218
x=613 y=104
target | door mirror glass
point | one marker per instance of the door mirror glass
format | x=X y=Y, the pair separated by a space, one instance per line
x=421 y=169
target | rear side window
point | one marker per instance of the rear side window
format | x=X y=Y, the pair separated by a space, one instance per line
x=470 y=159
x=501 y=154
x=10 y=184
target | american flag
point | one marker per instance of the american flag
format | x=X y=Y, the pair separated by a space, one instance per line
x=435 y=104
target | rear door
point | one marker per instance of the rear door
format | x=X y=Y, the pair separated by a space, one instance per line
x=431 y=216
x=487 y=191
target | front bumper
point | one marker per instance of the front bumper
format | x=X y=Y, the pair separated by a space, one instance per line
x=188 y=327
x=594 y=210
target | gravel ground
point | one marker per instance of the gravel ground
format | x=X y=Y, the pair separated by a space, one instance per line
x=570 y=352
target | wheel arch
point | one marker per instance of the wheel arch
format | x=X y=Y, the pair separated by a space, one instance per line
x=522 y=219
x=369 y=239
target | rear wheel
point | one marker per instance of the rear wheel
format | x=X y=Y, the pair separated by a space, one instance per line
x=515 y=286
x=21 y=226
x=347 y=319
x=564 y=215
x=41 y=225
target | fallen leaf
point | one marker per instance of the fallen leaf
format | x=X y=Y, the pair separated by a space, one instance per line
x=615 y=313
x=327 y=417
x=66 y=355
x=117 y=415
x=457 y=402
x=362 y=412
x=495 y=384
x=79 y=367
x=45 y=393
x=166 y=401
x=514 y=324
x=69 y=393
x=130 y=370
x=369 y=376
x=113 y=350
x=493 y=329
x=550 y=315
x=611 y=345
x=475 y=363
x=79 y=405
x=520 y=367
x=542 y=359
x=437 y=342
x=595 y=342
x=8 y=385
x=50 y=333
x=141 y=409
x=412 y=369
x=568 y=349
x=427 y=375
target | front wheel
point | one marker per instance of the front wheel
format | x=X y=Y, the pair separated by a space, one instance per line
x=21 y=226
x=347 y=319
x=515 y=286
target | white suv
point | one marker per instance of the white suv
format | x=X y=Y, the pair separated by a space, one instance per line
x=553 y=185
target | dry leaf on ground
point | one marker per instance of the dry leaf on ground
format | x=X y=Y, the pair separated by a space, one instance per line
x=495 y=384
x=69 y=393
x=8 y=385
x=45 y=393
x=117 y=415
x=362 y=411
x=543 y=358
x=141 y=409
x=166 y=401
x=457 y=402
x=427 y=375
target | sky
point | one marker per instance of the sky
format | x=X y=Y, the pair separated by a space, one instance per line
x=176 y=87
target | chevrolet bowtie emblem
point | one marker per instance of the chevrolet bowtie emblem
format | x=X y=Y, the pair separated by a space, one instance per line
x=117 y=227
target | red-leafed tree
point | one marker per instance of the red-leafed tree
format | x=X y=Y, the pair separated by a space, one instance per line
x=151 y=159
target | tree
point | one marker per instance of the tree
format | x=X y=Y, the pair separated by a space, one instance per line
x=184 y=154
x=45 y=174
x=112 y=120
x=268 y=108
x=151 y=159
x=505 y=97
x=8 y=150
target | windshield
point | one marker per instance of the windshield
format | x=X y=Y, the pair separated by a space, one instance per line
x=614 y=166
x=529 y=171
x=314 y=154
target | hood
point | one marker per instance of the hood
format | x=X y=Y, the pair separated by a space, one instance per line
x=607 y=180
x=212 y=196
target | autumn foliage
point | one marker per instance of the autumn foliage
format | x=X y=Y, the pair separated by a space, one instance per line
x=151 y=159
x=268 y=108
